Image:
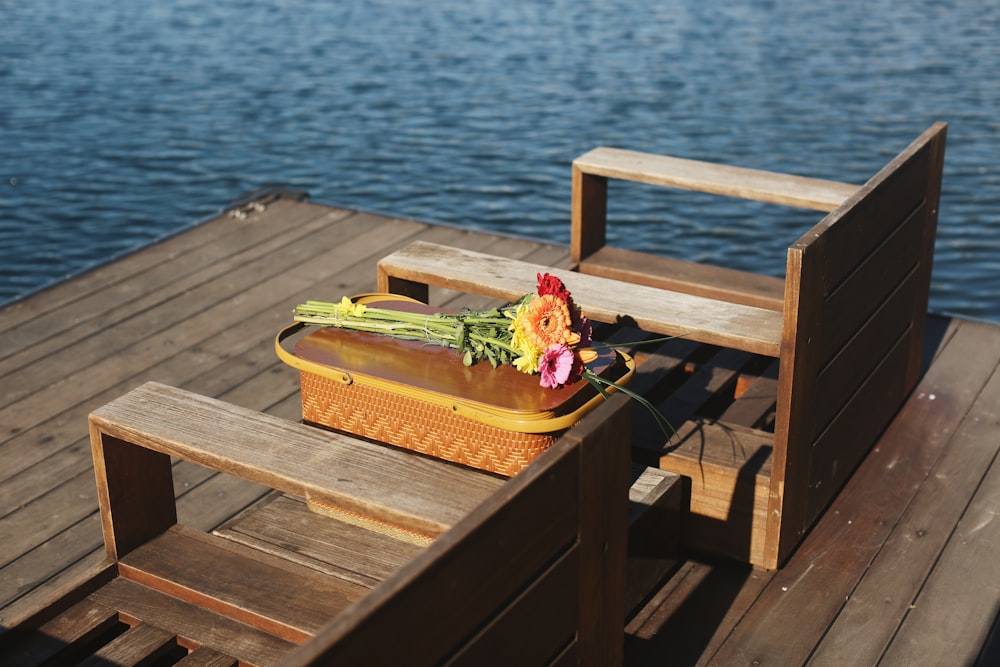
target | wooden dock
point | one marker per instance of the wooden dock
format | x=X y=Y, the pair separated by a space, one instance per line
x=902 y=569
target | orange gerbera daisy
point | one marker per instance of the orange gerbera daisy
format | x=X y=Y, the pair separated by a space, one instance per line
x=547 y=322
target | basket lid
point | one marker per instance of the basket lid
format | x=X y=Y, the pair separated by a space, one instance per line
x=437 y=374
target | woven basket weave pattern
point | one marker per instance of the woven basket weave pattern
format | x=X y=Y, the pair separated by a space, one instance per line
x=413 y=424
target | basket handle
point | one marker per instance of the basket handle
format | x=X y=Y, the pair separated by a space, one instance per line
x=336 y=374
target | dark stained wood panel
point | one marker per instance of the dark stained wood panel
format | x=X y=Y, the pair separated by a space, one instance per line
x=882 y=601
x=901 y=184
x=751 y=289
x=262 y=591
x=537 y=618
x=837 y=450
x=854 y=362
x=482 y=583
x=192 y=624
x=802 y=599
x=867 y=288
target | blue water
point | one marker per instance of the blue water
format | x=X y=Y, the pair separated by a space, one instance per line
x=122 y=122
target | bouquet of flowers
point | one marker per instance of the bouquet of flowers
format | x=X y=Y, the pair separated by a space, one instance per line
x=543 y=332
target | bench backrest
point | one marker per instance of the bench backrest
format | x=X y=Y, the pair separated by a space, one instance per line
x=856 y=295
x=534 y=575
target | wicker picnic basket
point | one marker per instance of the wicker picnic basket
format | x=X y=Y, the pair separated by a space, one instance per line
x=422 y=398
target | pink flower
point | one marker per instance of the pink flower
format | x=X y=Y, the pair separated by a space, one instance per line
x=557 y=365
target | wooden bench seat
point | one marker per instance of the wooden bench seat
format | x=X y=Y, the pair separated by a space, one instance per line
x=409 y=271
x=485 y=573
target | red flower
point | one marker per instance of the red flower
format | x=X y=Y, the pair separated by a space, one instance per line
x=549 y=284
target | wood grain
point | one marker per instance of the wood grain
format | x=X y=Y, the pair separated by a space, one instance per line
x=37 y=643
x=296 y=458
x=141 y=644
x=720 y=179
x=804 y=597
x=670 y=313
x=469 y=572
x=714 y=282
x=258 y=589
x=502 y=548
x=194 y=624
x=882 y=601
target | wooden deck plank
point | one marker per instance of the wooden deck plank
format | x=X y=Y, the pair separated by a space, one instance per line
x=802 y=600
x=882 y=600
x=261 y=590
x=957 y=606
x=216 y=350
x=693 y=613
x=338 y=549
x=131 y=265
x=177 y=369
x=136 y=344
x=43 y=554
x=206 y=657
x=186 y=268
x=710 y=612
x=194 y=624
x=83 y=621
x=219 y=366
x=219 y=349
x=137 y=353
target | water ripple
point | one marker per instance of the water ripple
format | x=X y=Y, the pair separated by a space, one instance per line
x=123 y=122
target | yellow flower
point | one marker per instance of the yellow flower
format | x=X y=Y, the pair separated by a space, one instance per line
x=529 y=357
x=348 y=307
x=528 y=362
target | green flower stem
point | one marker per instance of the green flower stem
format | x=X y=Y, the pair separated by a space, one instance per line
x=600 y=383
x=648 y=341
x=485 y=330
